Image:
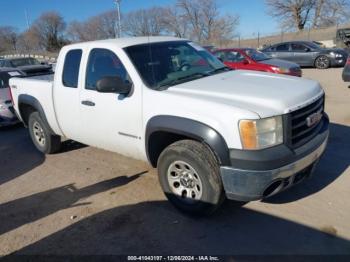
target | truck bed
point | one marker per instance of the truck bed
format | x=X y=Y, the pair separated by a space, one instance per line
x=38 y=88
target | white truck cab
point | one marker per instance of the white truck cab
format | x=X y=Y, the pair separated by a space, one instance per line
x=211 y=131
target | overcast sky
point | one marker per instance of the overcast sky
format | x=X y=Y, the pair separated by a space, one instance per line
x=12 y=12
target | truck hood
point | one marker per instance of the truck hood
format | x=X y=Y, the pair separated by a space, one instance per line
x=262 y=93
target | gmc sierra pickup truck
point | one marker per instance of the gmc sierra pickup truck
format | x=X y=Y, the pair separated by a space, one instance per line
x=212 y=132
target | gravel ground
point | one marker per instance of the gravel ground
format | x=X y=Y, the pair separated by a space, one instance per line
x=89 y=201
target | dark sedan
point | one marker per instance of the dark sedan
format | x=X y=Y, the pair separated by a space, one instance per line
x=346 y=71
x=7 y=113
x=308 y=54
x=28 y=65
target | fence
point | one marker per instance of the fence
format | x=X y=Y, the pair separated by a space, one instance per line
x=322 y=34
x=48 y=58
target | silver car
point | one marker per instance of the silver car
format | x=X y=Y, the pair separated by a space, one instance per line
x=7 y=114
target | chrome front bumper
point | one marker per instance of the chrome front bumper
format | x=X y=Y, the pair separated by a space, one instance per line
x=248 y=185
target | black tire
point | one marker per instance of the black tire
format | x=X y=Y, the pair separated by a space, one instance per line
x=322 y=62
x=200 y=159
x=49 y=143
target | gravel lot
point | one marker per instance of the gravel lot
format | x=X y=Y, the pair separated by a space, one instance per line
x=89 y=201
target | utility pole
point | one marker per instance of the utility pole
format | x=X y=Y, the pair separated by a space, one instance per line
x=26 y=17
x=118 y=30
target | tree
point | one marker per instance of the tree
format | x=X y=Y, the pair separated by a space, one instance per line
x=174 y=21
x=330 y=12
x=8 y=38
x=49 y=29
x=144 y=22
x=293 y=13
x=29 y=41
x=206 y=24
x=102 y=26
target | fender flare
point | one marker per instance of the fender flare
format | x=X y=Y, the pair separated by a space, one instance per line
x=192 y=129
x=32 y=101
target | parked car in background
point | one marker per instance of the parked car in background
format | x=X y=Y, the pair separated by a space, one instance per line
x=251 y=59
x=346 y=71
x=7 y=113
x=210 y=48
x=211 y=131
x=342 y=38
x=28 y=65
x=307 y=53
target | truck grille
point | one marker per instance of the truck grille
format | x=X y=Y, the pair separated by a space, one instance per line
x=302 y=133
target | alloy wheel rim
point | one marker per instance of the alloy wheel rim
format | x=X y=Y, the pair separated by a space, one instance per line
x=184 y=181
x=39 y=134
x=322 y=62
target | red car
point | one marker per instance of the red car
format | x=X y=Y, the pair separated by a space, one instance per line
x=251 y=59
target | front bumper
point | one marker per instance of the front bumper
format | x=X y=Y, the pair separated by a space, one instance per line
x=259 y=182
x=338 y=61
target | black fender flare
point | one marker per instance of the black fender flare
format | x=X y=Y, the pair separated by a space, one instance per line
x=192 y=129
x=32 y=101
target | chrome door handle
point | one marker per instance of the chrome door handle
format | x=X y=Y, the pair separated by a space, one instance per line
x=87 y=103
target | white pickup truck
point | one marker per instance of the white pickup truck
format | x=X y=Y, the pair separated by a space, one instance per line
x=212 y=132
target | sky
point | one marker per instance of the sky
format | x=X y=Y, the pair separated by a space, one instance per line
x=253 y=17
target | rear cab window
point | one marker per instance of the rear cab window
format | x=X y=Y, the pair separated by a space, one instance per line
x=71 y=68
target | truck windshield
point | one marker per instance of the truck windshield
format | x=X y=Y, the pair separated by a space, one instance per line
x=169 y=63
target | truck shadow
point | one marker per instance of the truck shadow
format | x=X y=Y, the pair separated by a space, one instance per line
x=333 y=164
x=156 y=227
x=70 y=145
x=18 y=155
x=28 y=209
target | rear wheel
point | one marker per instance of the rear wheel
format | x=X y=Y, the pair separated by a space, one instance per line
x=322 y=62
x=190 y=177
x=43 y=140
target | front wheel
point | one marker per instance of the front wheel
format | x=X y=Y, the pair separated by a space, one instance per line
x=322 y=62
x=190 y=177
x=43 y=140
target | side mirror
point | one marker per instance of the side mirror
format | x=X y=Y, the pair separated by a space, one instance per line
x=245 y=62
x=307 y=49
x=113 y=84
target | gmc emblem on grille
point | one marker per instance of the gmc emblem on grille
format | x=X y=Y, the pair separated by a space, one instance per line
x=313 y=119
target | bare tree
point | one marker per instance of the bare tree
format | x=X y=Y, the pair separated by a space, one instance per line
x=174 y=21
x=49 y=29
x=29 y=41
x=98 y=27
x=331 y=12
x=293 y=13
x=206 y=24
x=144 y=22
x=8 y=38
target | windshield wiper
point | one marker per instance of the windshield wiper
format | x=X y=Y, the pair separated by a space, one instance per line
x=183 y=79
x=220 y=69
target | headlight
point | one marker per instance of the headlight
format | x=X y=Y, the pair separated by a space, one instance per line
x=281 y=70
x=334 y=54
x=2 y=107
x=261 y=133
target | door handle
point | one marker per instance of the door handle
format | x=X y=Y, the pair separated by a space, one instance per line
x=87 y=103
